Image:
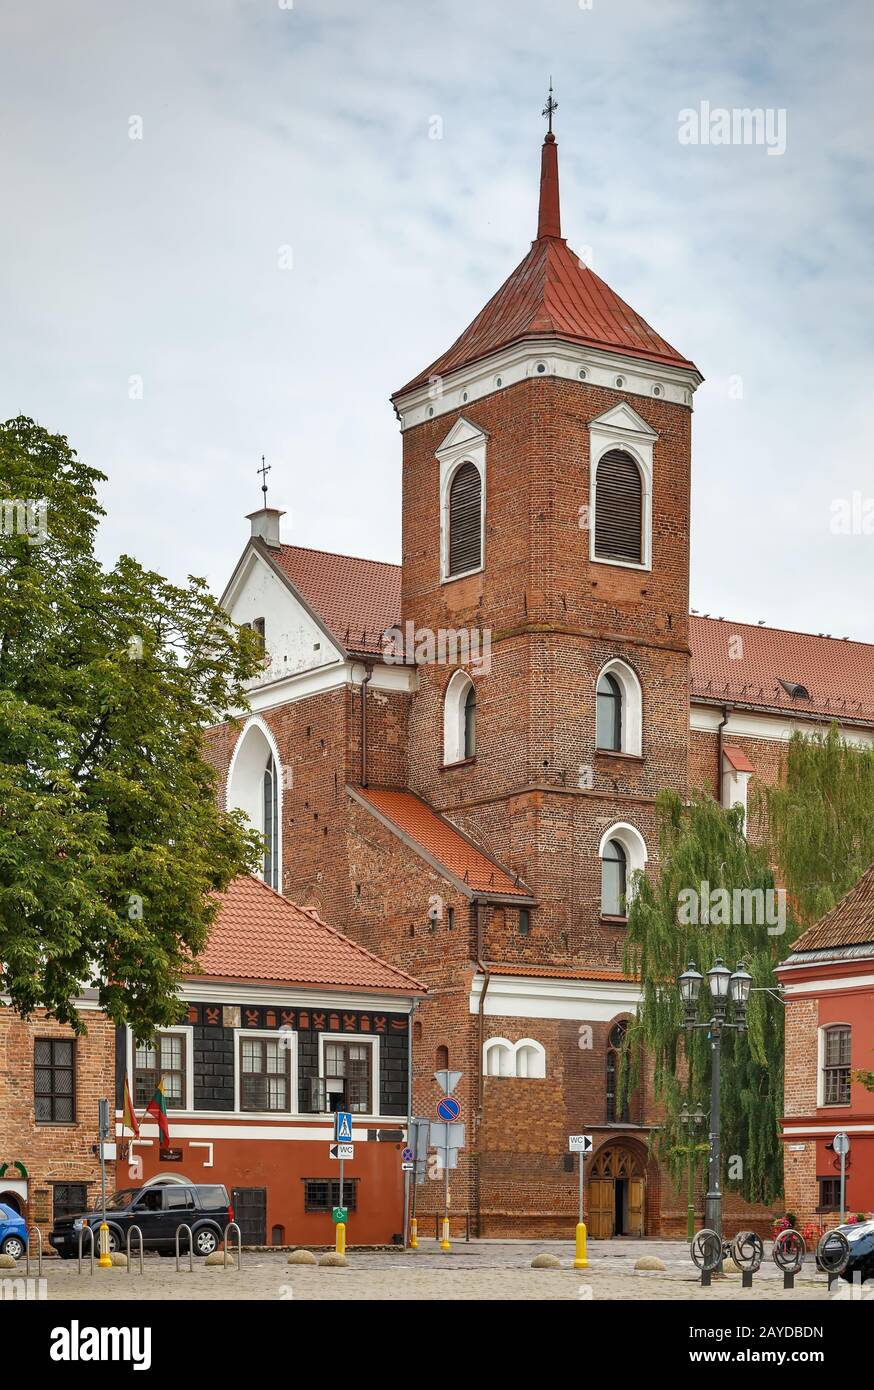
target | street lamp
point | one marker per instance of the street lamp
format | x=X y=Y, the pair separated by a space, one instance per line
x=725 y=986
x=691 y=1120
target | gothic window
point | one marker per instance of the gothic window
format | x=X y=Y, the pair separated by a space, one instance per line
x=618 y=508
x=271 y=825
x=465 y=520
x=836 y=1065
x=459 y=719
x=614 y=872
x=617 y=1112
x=608 y=731
x=470 y=723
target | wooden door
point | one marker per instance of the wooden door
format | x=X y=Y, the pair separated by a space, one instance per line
x=601 y=1208
x=250 y=1213
x=636 y=1189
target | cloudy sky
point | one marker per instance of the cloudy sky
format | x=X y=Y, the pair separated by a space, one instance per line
x=285 y=245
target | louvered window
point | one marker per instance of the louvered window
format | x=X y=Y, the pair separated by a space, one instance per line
x=618 y=508
x=465 y=520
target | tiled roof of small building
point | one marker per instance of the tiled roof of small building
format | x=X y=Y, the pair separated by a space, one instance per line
x=259 y=935
x=849 y=923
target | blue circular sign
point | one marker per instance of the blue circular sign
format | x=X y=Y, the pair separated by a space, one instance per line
x=448 y=1108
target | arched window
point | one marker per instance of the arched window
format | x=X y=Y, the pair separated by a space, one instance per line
x=499 y=1057
x=618 y=508
x=459 y=719
x=618 y=709
x=623 y=856
x=254 y=788
x=617 y=1112
x=530 y=1059
x=608 y=723
x=526 y=1058
x=441 y=1058
x=271 y=825
x=465 y=520
x=614 y=876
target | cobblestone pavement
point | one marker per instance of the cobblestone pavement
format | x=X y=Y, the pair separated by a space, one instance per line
x=488 y=1270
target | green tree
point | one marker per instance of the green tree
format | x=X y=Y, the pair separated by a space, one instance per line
x=819 y=818
x=701 y=844
x=112 y=843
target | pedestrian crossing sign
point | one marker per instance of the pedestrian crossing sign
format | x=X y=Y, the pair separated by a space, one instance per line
x=342 y=1125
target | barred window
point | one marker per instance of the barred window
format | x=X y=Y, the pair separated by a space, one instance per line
x=264 y=1074
x=164 y=1057
x=54 y=1089
x=323 y=1194
x=836 y=1066
x=465 y=520
x=618 y=508
x=69 y=1199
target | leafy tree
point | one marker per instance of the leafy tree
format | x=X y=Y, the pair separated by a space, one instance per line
x=112 y=843
x=820 y=819
x=703 y=849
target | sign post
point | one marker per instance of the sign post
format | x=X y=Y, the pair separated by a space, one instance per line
x=420 y=1131
x=343 y=1141
x=448 y=1110
x=105 y=1261
x=581 y=1144
x=842 y=1147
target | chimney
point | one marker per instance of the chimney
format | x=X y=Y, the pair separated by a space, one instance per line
x=265 y=525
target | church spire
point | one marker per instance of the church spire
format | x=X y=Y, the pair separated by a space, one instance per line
x=549 y=219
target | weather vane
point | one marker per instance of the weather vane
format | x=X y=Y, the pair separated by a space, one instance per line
x=263 y=471
x=550 y=107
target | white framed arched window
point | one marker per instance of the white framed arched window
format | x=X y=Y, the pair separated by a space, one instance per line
x=255 y=787
x=618 y=709
x=525 y=1058
x=459 y=719
x=462 y=460
x=623 y=855
x=620 y=488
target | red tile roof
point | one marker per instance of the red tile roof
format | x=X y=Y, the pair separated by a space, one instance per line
x=258 y=935
x=551 y=293
x=434 y=836
x=357 y=600
x=838 y=675
x=849 y=923
x=737 y=758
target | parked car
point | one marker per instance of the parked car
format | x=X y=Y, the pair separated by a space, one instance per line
x=860 y=1237
x=13 y=1232
x=158 y=1212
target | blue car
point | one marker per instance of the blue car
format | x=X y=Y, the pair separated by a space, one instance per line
x=13 y=1232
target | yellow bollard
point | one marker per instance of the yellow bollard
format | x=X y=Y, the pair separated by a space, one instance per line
x=444 y=1244
x=341 y=1238
x=414 y=1234
x=105 y=1261
x=580 y=1261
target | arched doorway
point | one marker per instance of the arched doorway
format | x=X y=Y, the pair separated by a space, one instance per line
x=617 y=1192
x=12 y=1199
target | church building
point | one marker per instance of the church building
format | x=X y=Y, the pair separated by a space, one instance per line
x=455 y=759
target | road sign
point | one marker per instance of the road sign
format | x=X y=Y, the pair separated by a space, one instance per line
x=407 y=1167
x=407 y=1155
x=842 y=1143
x=340 y=1214
x=444 y=1136
x=447 y=1080
x=448 y=1108
x=342 y=1151
x=343 y=1124
x=580 y=1143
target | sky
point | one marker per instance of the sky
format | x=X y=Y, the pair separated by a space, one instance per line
x=228 y=231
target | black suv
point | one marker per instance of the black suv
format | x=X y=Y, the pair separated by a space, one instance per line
x=159 y=1212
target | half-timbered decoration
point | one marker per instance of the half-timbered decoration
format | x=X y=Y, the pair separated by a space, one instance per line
x=286 y=1022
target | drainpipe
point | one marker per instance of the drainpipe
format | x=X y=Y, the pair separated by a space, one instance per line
x=726 y=712
x=480 y=1100
x=410 y=1178
x=365 y=680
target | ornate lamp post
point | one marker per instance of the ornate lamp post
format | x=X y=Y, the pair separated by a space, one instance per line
x=691 y=1120
x=724 y=986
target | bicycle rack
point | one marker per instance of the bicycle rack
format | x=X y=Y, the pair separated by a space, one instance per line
x=747 y=1251
x=232 y=1226
x=90 y=1232
x=708 y=1251
x=833 y=1256
x=788 y=1255
x=179 y=1230
x=131 y=1229
x=38 y=1232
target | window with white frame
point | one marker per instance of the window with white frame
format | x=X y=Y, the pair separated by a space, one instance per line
x=618 y=710
x=165 y=1058
x=836 y=1049
x=462 y=460
x=459 y=719
x=254 y=788
x=347 y=1071
x=620 y=487
x=265 y=1073
x=623 y=856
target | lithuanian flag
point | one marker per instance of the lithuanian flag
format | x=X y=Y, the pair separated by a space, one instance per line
x=128 y=1114
x=157 y=1107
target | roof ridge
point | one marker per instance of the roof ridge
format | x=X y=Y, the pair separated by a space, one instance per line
x=790 y=631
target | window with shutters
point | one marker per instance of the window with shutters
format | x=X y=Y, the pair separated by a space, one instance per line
x=465 y=520
x=619 y=508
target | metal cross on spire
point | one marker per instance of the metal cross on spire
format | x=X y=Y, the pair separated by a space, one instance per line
x=263 y=471
x=550 y=107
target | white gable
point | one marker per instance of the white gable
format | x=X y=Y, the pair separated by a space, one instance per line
x=622 y=419
x=295 y=641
